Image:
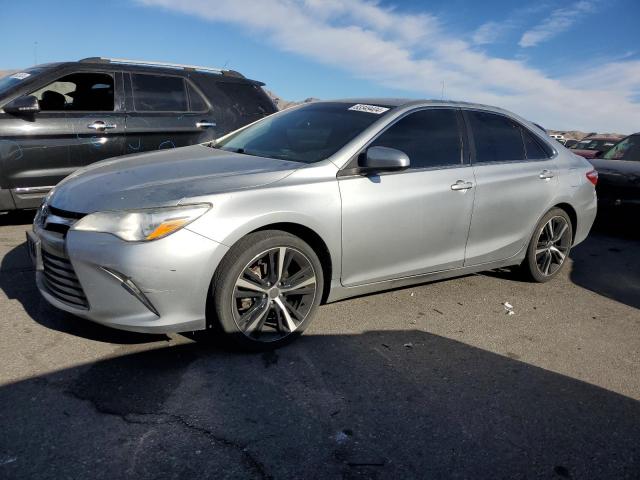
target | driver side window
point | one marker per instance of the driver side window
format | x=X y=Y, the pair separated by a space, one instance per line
x=88 y=91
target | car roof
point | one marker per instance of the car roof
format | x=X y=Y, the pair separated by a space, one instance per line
x=96 y=62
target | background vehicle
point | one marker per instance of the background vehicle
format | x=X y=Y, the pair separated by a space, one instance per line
x=594 y=145
x=56 y=118
x=319 y=202
x=556 y=136
x=619 y=174
x=570 y=143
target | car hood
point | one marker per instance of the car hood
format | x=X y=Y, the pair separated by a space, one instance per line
x=164 y=178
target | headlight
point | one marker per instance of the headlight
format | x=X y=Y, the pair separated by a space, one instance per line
x=142 y=225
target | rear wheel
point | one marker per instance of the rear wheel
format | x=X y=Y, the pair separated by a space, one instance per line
x=549 y=246
x=266 y=290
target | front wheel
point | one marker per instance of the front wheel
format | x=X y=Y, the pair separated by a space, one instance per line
x=266 y=290
x=549 y=246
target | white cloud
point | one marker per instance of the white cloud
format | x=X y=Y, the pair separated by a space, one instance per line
x=413 y=52
x=560 y=20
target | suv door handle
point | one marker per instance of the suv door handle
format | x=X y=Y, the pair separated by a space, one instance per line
x=546 y=174
x=205 y=124
x=100 y=125
x=461 y=185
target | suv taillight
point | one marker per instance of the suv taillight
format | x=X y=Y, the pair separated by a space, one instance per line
x=592 y=176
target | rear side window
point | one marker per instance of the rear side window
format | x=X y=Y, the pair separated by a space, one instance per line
x=431 y=138
x=246 y=98
x=497 y=139
x=534 y=150
x=196 y=102
x=157 y=93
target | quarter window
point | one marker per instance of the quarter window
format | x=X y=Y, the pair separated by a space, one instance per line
x=431 y=138
x=497 y=139
x=157 y=93
x=534 y=149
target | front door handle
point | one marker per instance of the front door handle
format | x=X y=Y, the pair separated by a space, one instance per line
x=205 y=124
x=461 y=185
x=101 y=126
x=546 y=174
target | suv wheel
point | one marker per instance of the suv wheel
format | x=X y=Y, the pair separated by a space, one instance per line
x=549 y=246
x=266 y=290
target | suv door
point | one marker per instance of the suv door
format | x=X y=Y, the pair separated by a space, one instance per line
x=515 y=185
x=166 y=111
x=414 y=221
x=39 y=150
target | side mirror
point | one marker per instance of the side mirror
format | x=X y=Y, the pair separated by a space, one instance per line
x=383 y=159
x=598 y=154
x=25 y=105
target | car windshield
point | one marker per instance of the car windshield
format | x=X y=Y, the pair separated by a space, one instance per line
x=600 y=145
x=15 y=78
x=307 y=134
x=627 y=149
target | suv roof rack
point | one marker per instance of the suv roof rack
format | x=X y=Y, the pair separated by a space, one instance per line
x=144 y=63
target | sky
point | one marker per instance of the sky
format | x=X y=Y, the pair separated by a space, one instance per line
x=568 y=65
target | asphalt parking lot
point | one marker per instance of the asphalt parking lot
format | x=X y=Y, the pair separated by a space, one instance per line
x=434 y=381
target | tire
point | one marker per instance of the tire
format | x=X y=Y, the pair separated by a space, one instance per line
x=547 y=254
x=254 y=308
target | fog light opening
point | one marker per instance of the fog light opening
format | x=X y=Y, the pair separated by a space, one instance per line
x=132 y=288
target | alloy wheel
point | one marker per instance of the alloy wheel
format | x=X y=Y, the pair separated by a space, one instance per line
x=274 y=294
x=553 y=245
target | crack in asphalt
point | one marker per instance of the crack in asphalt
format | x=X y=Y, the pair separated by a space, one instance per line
x=171 y=418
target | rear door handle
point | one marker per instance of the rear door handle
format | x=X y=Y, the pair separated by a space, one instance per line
x=546 y=174
x=205 y=124
x=100 y=125
x=461 y=185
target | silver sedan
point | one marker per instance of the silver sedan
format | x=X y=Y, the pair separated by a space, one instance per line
x=246 y=236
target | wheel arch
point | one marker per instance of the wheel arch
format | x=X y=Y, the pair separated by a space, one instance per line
x=314 y=240
x=573 y=216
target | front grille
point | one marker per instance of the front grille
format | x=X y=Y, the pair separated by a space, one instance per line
x=61 y=280
x=59 y=221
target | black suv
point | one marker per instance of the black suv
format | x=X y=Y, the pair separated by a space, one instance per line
x=58 y=117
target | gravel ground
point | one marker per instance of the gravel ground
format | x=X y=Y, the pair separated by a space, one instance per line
x=433 y=381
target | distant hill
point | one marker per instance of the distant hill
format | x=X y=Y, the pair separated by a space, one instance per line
x=578 y=135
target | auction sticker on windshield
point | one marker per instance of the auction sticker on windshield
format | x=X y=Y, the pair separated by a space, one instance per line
x=360 y=107
x=20 y=76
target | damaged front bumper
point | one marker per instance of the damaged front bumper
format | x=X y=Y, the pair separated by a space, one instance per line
x=159 y=286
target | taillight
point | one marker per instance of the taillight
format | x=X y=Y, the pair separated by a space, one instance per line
x=592 y=176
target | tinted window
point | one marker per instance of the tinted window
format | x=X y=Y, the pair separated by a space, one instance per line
x=534 y=150
x=497 y=139
x=246 y=98
x=155 y=93
x=429 y=137
x=196 y=102
x=91 y=92
x=305 y=134
x=627 y=149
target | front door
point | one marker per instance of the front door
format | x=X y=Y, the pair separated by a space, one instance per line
x=411 y=222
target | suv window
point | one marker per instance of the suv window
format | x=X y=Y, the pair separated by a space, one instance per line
x=158 y=93
x=245 y=98
x=431 y=138
x=78 y=92
x=497 y=138
x=196 y=102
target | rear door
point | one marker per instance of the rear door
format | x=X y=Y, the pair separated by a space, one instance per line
x=516 y=181
x=165 y=111
x=415 y=221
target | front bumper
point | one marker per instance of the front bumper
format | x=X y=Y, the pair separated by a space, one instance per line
x=173 y=274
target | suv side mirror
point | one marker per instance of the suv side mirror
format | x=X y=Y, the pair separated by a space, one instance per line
x=25 y=105
x=383 y=159
x=598 y=154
